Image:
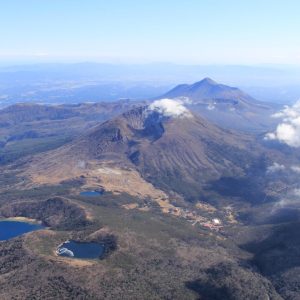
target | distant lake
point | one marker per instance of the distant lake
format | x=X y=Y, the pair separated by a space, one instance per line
x=91 y=193
x=11 y=229
x=88 y=250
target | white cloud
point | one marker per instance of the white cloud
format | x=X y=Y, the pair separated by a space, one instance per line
x=184 y=100
x=275 y=168
x=295 y=168
x=290 y=198
x=211 y=106
x=288 y=131
x=296 y=192
x=170 y=108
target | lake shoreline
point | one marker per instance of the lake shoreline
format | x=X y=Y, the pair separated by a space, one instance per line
x=11 y=227
x=21 y=219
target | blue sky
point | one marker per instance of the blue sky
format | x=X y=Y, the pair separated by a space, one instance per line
x=190 y=31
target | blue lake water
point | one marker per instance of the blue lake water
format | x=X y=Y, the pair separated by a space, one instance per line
x=91 y=193
x=88 y=250
x=11 y=229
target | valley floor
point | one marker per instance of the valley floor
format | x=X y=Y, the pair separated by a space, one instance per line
x=158 y=255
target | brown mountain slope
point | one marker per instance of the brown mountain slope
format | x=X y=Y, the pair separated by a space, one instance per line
x=27 y=129
x=180 y=152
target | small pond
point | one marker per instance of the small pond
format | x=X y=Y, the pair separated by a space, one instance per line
x=83 y=250
x=91 y=193
x=10 y=229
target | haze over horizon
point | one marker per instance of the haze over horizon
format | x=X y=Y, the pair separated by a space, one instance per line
x=252 y=45
x=198 y=32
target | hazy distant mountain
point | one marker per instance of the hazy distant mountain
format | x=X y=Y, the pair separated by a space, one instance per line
x=288 y=94
x=207 y=89
x=74 y=83
x=256 y=75
x=30 y=112
x=28 y=128
x=226 y=106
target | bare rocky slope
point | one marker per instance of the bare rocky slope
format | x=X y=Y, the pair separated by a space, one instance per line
x=180 y=153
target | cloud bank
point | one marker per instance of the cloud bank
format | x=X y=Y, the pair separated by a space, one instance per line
x=288 y=131
x=211 y=106
x=295 y=168
x=290 y=199
x=275 y=168
x=170 y=108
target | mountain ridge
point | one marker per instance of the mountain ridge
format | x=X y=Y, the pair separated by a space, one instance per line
x=226 y=106
x=168 y=151
x=207 y=89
